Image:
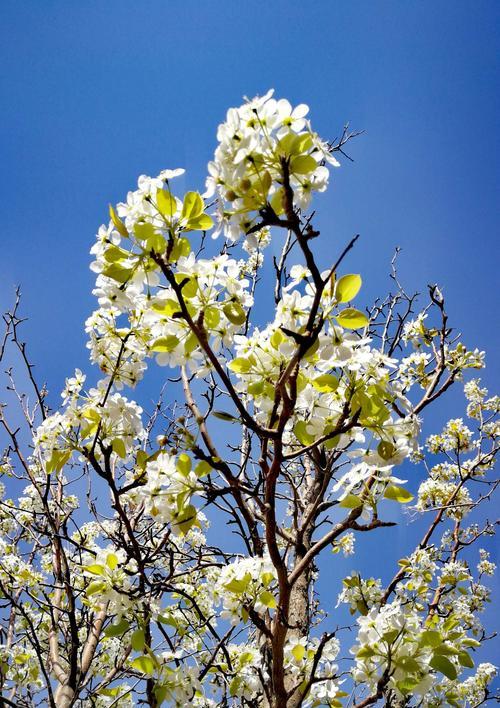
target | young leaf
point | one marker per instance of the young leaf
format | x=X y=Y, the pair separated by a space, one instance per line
x=399 y=494
x=144 y=664
x=347 y=287
x=166 y=203
x=118 y=223
x=192 y=206
x=138 y=640
x=165 y=344
x=443 y=665
x=351 y=318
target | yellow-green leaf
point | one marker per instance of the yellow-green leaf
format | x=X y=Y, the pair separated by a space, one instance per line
x=299 y=652
x=95 y=569
x=165 y=344
x=118 y=446
x=240 y=365
x=444 y=666
x=166 y=203
x=118 y=223
x=347 y=287
x=267 y=599
x=167 y=307
x=386 y=449
x=300 y=430
x=238 y=586
x=183 y=464
x=192 y=206
x=94 y=587
x=203 y=222
x=145 y=664
x=303 y=164
x=399 y=494
x=350 y=501
x=350 y=318
x=144 y=231
x=112 y=561
x=117 y=272
x=138 y=640
x=235 y=313
x=116 y=630
x=326 y=383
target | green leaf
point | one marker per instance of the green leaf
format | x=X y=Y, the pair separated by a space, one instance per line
x=145 y=664
x=238 y=586
x=118 y=446
x=235 y=313
x=112 y=561
x=57 y=461
x=399 y=494
x=118 y=223
x=240 y=365
x=166 y=203
x=189 y=284
x=326 y=383
x=350 y=318
x=267 y=599
x=167 y=307
x=192 y=206
x=161 y=693
x=110 y=692
x=95 y=569
x=117 y=272
x=443 y=665
x=138 y=640
x=187 y=519
x=347 y=287
x=299 y=652
x=430 y=638
x=116 y=630
x=200 y=223
x=365 y=652
x=202 y=468
x=351 y=502
x=183 y=464
x=234 y=686
x=211 y=317
x=165 y=344
x=409 y=664
x=390 y=636
x=182 y=247
x=386 y=449
x=466 y=659
x=303 y=164
x=94 y=587
x=114 y=254
x=300 y=430
x=222 y=415
x=144 y=231
x=277 y=338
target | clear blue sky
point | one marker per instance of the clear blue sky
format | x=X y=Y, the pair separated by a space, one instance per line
x=95 y=93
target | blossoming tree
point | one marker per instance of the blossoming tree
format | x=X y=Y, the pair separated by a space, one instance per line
x=287 y=426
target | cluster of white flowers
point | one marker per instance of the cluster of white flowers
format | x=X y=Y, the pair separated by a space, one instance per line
x=247 y=168
x=166 y=486
x=485 y=566
x=245 y=584
x=455 y=436
x=300 y=653
x=473 y=690
x=116 y=419
x=389 y=636
x=109 y=578
x=360 y=594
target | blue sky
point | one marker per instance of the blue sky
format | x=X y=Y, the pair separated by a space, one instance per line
x=96 y=93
